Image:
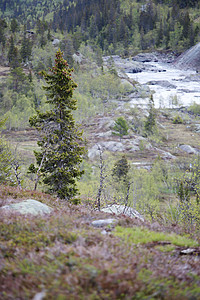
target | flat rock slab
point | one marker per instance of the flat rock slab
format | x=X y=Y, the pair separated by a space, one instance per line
x=104 y=222
x=122 y=209
x=29 y=206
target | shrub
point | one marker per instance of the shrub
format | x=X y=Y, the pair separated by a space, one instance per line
x=177 y=120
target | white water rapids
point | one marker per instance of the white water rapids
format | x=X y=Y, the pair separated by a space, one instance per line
x=184 y=89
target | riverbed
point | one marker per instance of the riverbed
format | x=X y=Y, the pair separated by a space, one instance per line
x=171 y=87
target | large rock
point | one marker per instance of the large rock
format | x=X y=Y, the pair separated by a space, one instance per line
x=190 y=59
x=28 y=206
x=122 y=209
x=189 y=149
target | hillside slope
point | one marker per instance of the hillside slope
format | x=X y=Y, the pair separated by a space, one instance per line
x=62 y=256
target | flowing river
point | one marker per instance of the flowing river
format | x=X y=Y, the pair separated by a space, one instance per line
x=171 y=86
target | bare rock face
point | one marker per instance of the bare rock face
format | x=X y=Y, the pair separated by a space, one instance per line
x=190 y=59
x=28 y=206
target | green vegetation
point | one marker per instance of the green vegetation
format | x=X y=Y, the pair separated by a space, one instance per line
x=120 y=127
x=143 y=236
x=177 y=120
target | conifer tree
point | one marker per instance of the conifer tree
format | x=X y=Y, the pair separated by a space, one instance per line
x=5 y=158
x=58 y=161
x=121 y=169
x=151 y=119
x=120 y=127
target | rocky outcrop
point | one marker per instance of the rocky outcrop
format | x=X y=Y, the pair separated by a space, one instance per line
x=127 y=144
x=28 y=206
x=190 y=59
x=122 y=209
x=154 y=57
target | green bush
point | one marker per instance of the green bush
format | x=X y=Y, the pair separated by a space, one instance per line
x=194 y=108
x=177 y=120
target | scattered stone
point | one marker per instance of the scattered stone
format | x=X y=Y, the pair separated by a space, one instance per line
x=197 y=128
x=29 y=206
x=188 y=251
x=122 y=209
x=40 y=296
x=103 y=223
x=189 y=149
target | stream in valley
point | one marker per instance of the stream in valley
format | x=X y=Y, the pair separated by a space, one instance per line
x=171 y=86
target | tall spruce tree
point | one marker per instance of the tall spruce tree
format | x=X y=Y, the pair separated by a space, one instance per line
x=58 y=162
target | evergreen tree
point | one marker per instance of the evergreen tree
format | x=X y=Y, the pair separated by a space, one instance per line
x=151 y=119
x=121 y=169
x=5 y=158
x=3 y=26
x=120 y=127
x=14 y=26
x=26 y=48
x=60 y=156
x=13 y=54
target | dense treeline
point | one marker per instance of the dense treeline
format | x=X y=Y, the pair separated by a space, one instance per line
x=112 y=25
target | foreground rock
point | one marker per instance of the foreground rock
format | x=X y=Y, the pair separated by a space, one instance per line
x=104 y=222
x=28 y=206
x=122 y=209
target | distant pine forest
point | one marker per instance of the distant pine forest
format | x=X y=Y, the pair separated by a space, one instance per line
x=115 y=26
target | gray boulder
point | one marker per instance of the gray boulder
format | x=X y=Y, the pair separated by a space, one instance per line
x=29 y=206
x=122 y=209
x=104 y=222
x=189 y=149
x=56 y=42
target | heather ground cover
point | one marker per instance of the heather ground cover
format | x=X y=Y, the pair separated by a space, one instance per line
x=62 y=256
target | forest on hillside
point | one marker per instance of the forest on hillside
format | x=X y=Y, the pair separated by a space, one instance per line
x=32 y=31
